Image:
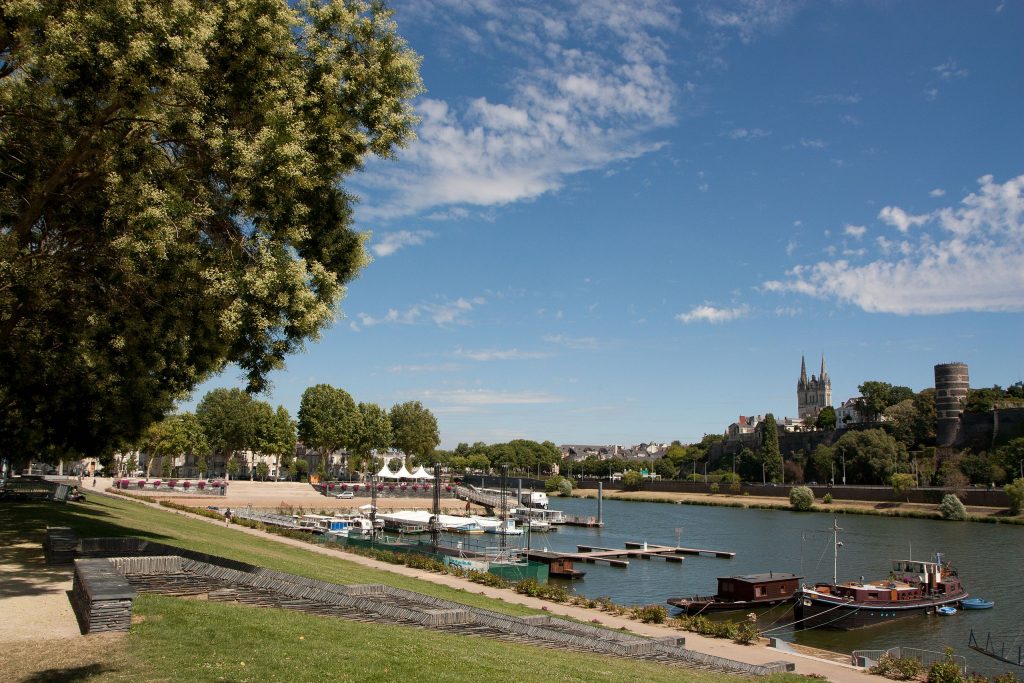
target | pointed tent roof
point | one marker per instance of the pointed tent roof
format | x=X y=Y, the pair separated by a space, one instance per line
x=403 y=473
x=386 y=473
x=421 y=473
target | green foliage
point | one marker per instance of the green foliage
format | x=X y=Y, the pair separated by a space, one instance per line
x=746 y=633
x=826 y=419
x=901 y=483
x=262 y=470
x=374 y=432
x=171 y=198
x=869 y=455
x=414 y=428
x=650 y=614
x=827 y=499
x=1015 y=492
x=233 y=466
x=770 y=454
x=987 y=399
x=632 y=480
x=714 y=488
x=801 y=498
x=558 y=484
x=952 y=509
x=877 y=396
x=945 y=671
x=821 y=464
x=328 y=419
x=898 y=668
x=230 y=419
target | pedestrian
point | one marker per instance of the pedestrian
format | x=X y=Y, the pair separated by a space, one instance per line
x=227 y=517
x=94 y=482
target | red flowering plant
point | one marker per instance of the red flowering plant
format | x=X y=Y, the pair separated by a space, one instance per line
x=186 y=484
x=201 y=485
x=172 y=483
x=156 y=484
x=142 y=483
x=330 y=487
x=344 y=487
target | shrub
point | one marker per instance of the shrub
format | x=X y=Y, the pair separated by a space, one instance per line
x=746 y=633
x=714 y=487
x=801 y=498
x=1015 y=492
x=632 y=480
x=827 y=500
x=946 y=671
x=201 y=485
x=898 y=668
x=650 y=614
x=952 y=509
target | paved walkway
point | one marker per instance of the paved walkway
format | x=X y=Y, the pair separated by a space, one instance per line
x=753 y=654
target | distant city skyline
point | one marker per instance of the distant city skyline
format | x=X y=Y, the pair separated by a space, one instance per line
x=626 y=222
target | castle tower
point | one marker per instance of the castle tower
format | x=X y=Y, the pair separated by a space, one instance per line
x=814 y=393
x=952 y=382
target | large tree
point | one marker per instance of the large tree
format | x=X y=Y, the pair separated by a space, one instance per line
x=230 y=420
x=770 y=453
x=870 y=456
x=328 y=420
x=875 y=397
x=275 y=435
x=414 y=428
x=170 y=197
x=374 y=432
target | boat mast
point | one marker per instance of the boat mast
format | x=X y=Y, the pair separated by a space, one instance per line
x=836 y=544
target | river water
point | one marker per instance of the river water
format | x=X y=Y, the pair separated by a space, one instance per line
x=988 y=557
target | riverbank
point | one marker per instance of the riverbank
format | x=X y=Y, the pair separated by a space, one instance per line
x=112 y=515
x=975 y=513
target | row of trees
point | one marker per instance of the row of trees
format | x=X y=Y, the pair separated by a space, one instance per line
x=228 y=422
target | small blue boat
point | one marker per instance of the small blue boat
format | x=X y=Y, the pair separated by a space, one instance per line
x=976 y=603
x=945 y=610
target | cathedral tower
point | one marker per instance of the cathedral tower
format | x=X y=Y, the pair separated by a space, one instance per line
x=814 y=393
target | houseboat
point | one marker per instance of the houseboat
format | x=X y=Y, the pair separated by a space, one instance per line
x=913 y=587
x=750 y=591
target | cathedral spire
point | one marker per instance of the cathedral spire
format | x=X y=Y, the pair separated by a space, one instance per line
x=823 y=374
x=803 y=371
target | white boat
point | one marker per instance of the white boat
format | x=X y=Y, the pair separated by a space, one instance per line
x=535 y=499
x=491 y=525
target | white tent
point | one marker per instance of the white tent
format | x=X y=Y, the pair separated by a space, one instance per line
x=421 y=473
x=403 y=473
x=386 y=473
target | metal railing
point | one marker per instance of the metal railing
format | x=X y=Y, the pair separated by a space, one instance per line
x=868 y=658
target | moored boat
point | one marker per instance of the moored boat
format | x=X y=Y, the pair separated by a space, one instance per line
x=976 y=603
x=750 y=591
x=914 y=587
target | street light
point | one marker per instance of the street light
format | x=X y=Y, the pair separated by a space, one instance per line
x=763 y=480
x=844 y=469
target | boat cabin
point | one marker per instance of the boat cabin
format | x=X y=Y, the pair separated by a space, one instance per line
x=757 y=587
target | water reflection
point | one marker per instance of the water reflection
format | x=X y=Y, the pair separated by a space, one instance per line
x=988 y=557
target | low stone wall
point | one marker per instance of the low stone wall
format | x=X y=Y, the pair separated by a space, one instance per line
x=101 y=597
x=60 y=545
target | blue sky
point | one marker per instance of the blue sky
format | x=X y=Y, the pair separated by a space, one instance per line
x=626 y=221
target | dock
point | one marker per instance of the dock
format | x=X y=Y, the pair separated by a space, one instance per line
x=619 y=557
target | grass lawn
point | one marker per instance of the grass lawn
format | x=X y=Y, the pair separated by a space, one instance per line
x=177 y=639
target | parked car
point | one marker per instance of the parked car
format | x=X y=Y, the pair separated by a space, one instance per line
x=345 y=494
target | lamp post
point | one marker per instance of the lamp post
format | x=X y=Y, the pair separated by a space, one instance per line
x=705 y=472
x=763 y=480
x=844 y=469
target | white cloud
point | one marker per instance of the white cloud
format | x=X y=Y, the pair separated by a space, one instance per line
x=593 y=83
x=577 y=343
x=390 y=242
x=937 y=192
x=482 y=397
x=931 y=94
x=711 y=314
x=812 y=143
x=427 y=367
x=748 y=17
x=441 y=314
x=968 y=257
x=747 y=133
x=835 y=98
x=900 y=219
x=855 y=231
x=500 y=354
x=950 y=70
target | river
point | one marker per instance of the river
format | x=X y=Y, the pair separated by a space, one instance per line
x=988 y=557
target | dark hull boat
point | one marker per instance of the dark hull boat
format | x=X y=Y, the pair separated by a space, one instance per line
x=752 y=591
x=914 y=588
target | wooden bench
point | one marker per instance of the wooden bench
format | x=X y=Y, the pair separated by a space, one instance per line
x=101 y=597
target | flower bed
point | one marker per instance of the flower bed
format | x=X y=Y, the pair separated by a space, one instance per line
x=201 y=485
x=142 y=483
x=186 y=484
